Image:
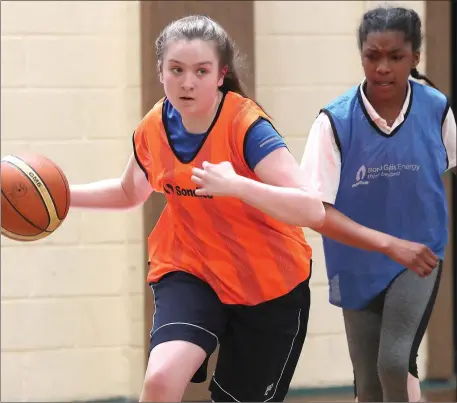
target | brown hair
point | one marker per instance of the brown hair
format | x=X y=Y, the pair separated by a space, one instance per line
x=204 y=28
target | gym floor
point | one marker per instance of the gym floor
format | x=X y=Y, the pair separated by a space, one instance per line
x=432 y=395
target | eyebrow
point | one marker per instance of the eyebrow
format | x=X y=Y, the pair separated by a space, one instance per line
x=196 y=64
x=390 y=51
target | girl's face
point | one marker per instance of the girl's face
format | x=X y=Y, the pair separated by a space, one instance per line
x=191 y=76
x=387 y=61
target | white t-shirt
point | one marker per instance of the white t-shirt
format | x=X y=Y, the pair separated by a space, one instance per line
x=321 y=159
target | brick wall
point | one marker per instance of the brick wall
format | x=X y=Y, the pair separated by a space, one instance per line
x=306 y=54
x=72 y=305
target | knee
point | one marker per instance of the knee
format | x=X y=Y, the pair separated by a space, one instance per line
x=156 y=383
x=392 y=367
x=159 y=387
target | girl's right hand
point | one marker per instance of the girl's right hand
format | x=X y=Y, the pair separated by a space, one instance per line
x=414 y=256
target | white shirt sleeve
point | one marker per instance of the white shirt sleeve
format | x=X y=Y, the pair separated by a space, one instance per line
x=450 y=138
x=321 y=161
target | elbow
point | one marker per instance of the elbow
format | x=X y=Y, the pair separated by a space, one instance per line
x=314 y=215
x=317 y=219
x=320 y=218
x=133 y=199
x=131 y=205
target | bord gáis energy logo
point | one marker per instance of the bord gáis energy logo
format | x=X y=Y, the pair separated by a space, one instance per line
x=169 y=189
x=388 y=171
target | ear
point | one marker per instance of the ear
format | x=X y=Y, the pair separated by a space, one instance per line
x=416 y=59
x=160 y=71
x=222 y=75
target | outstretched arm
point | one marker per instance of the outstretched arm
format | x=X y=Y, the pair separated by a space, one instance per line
x=280 y=194
x=130 y=190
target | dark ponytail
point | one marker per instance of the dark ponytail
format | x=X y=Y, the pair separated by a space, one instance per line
x=233 y=83
x=418 y=76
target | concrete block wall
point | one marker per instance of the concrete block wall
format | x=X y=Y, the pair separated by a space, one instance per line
x=306 y=54
x=72 y=322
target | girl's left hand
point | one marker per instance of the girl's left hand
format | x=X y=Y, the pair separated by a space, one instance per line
x=216 y=179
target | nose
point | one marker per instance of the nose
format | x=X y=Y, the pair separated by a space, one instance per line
x=383 y=67
x=188 y=82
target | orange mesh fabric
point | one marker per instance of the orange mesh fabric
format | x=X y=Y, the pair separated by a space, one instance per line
x=246 y=256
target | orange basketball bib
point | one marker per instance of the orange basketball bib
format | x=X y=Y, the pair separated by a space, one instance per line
x=246 y=256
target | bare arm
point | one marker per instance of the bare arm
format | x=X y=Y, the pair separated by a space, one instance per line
x=281 y=196
x=130 y=190
x=412 y=255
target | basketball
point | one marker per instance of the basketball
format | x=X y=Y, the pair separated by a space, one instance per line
x=35 y=197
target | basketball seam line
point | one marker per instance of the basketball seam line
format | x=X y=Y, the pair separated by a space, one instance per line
x=34 y=186
x=67 y=187
x=44 y=184
x=25 y=218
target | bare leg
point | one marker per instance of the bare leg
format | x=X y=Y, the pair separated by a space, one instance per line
x=170 y=368
x=414 y=389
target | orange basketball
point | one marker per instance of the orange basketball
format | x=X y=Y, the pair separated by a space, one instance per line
x=35 y=197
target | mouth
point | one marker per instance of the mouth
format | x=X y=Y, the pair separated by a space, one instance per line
x=187 y=99
x=384 y=84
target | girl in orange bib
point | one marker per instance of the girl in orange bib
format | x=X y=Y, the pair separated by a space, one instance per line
x=222 y=272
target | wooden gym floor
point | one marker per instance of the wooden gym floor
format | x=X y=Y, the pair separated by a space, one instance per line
x=437 y=395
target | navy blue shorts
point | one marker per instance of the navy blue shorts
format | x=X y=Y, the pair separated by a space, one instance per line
x=259 y=346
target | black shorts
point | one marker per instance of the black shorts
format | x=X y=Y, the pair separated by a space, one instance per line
x=259 y=346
